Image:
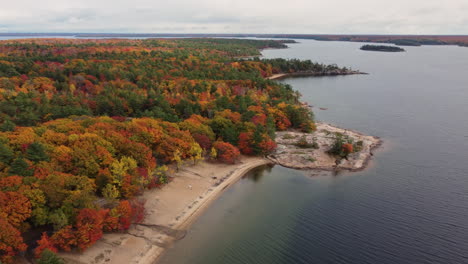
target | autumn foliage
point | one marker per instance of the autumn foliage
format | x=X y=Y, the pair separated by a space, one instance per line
x=43 y=244
x=348 y=148
x=11 y=241
x=89 y=225
x=226 y=152
x=83 y=121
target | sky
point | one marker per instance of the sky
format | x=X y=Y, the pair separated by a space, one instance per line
x=236 y=16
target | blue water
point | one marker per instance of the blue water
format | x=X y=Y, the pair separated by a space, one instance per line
x=410 y=206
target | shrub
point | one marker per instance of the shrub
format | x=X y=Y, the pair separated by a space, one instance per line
x=303 y=143
x=358 y=146
x=49 y=257
x=342 y=147
x=289 y=136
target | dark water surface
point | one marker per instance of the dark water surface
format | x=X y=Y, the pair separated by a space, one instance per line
x=411 y=206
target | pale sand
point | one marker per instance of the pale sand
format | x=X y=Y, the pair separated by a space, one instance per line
x=170 y=210
x=276 y=76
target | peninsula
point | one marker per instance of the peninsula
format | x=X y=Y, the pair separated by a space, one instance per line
x=304 y=68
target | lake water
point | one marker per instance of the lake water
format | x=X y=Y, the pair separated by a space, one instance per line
x=410 y=206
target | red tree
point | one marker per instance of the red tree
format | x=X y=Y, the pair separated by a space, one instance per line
x=226 y=152
x=259 y=119
x=44 y=243
x=65 y=238
x=111 y=220
x=203 y=140
x=245 y=142
x=89 y=224
x=10 y=182
x=15 y=206
x=11 y=242
x=267 y=145
x=124 y=210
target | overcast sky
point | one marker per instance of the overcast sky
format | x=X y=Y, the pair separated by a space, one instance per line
x=236 y=16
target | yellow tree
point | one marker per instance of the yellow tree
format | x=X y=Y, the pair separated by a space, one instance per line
x=120 y=168
x=195 y=152
x=177 y=158
x=213 y=153
x=110 y=192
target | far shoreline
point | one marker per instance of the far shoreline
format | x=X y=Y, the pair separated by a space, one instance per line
x=281 y=76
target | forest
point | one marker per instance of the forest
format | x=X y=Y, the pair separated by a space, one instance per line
x=86 y=126
x=383 y=48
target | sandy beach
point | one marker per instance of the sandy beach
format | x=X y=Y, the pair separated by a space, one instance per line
x=170 y=211
x=276 y=76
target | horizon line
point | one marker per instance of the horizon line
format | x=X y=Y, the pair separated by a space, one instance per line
x=222 y=34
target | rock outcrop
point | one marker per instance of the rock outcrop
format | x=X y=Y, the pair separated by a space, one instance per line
x=315 y=156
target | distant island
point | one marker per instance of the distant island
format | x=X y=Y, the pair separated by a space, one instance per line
x=383 y=48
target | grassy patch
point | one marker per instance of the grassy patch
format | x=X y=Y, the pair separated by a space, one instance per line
x=289 y=136
x=303 y=143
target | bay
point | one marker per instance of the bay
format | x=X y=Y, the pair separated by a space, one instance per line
x=409 y=206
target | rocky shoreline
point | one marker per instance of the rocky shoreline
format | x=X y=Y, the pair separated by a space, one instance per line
x=315 y=156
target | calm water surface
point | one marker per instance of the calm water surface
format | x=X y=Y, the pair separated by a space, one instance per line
x=411 y=206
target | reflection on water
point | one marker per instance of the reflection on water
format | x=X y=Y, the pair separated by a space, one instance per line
x=257 y=173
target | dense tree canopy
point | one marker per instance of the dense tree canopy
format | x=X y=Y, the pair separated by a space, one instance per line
x=87 y=125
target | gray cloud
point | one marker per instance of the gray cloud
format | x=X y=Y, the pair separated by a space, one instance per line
x=237 y=16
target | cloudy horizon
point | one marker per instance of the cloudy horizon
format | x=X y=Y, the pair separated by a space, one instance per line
x=241 y=16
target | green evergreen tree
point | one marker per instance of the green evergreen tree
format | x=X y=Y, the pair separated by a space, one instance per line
x=6 y=154
x=257 y=139
x=36 y=152
x=7 y=126
x=242 y=105
x=20 y=167
x=271 y=127
x=230 y=134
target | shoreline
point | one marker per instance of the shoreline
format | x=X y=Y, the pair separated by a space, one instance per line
x=280 y=76
x=170 y=211
x=228 y=180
